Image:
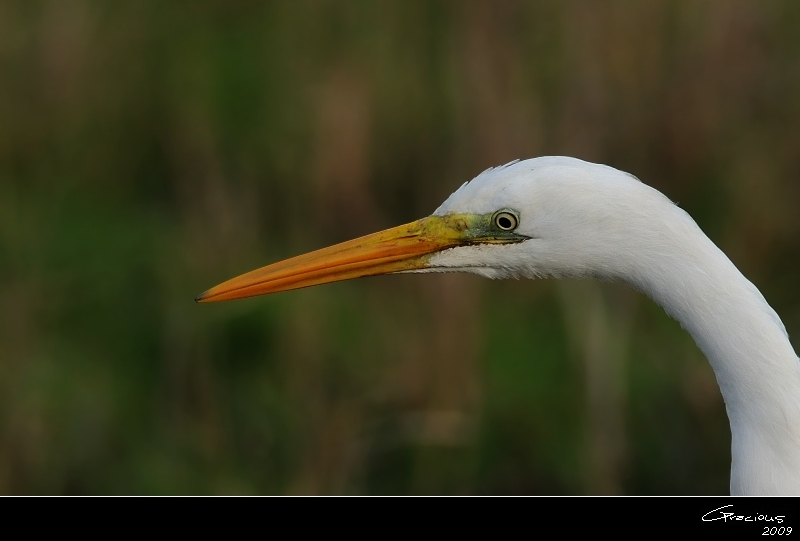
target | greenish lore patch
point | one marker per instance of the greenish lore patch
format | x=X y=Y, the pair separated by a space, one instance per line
x=467 y=229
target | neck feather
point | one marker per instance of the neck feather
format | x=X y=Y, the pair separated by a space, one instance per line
x=744 y=340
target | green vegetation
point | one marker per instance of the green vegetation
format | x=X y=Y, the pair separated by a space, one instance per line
x=150 y=149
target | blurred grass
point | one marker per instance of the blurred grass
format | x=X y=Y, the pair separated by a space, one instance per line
x=149 y=150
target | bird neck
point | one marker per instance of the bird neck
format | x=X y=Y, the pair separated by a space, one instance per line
x=744 y=340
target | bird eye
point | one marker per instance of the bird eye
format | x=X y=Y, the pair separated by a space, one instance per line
x=506 y=220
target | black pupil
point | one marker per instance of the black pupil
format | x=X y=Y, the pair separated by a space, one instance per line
x=504 y=222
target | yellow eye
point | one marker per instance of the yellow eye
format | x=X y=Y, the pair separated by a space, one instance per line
x=505 y=221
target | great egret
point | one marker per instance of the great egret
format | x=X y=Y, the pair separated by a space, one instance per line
x=563 y=217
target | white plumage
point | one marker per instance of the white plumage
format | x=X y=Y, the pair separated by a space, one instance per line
x=589 y=220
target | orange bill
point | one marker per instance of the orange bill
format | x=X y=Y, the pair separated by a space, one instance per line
x=398 y=249
x=404 y=248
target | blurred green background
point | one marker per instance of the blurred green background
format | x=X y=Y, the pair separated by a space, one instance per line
x=151 y=149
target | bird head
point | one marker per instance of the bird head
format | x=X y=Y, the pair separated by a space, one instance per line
x=526 y=218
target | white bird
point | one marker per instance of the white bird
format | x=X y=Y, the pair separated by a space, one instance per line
x=562 y=217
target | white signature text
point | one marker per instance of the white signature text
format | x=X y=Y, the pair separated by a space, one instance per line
x=725 y=516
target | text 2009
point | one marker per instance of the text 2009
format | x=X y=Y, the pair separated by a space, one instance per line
x=777 y=530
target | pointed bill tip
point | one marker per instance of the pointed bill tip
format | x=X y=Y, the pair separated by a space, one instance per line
x=201 y=297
